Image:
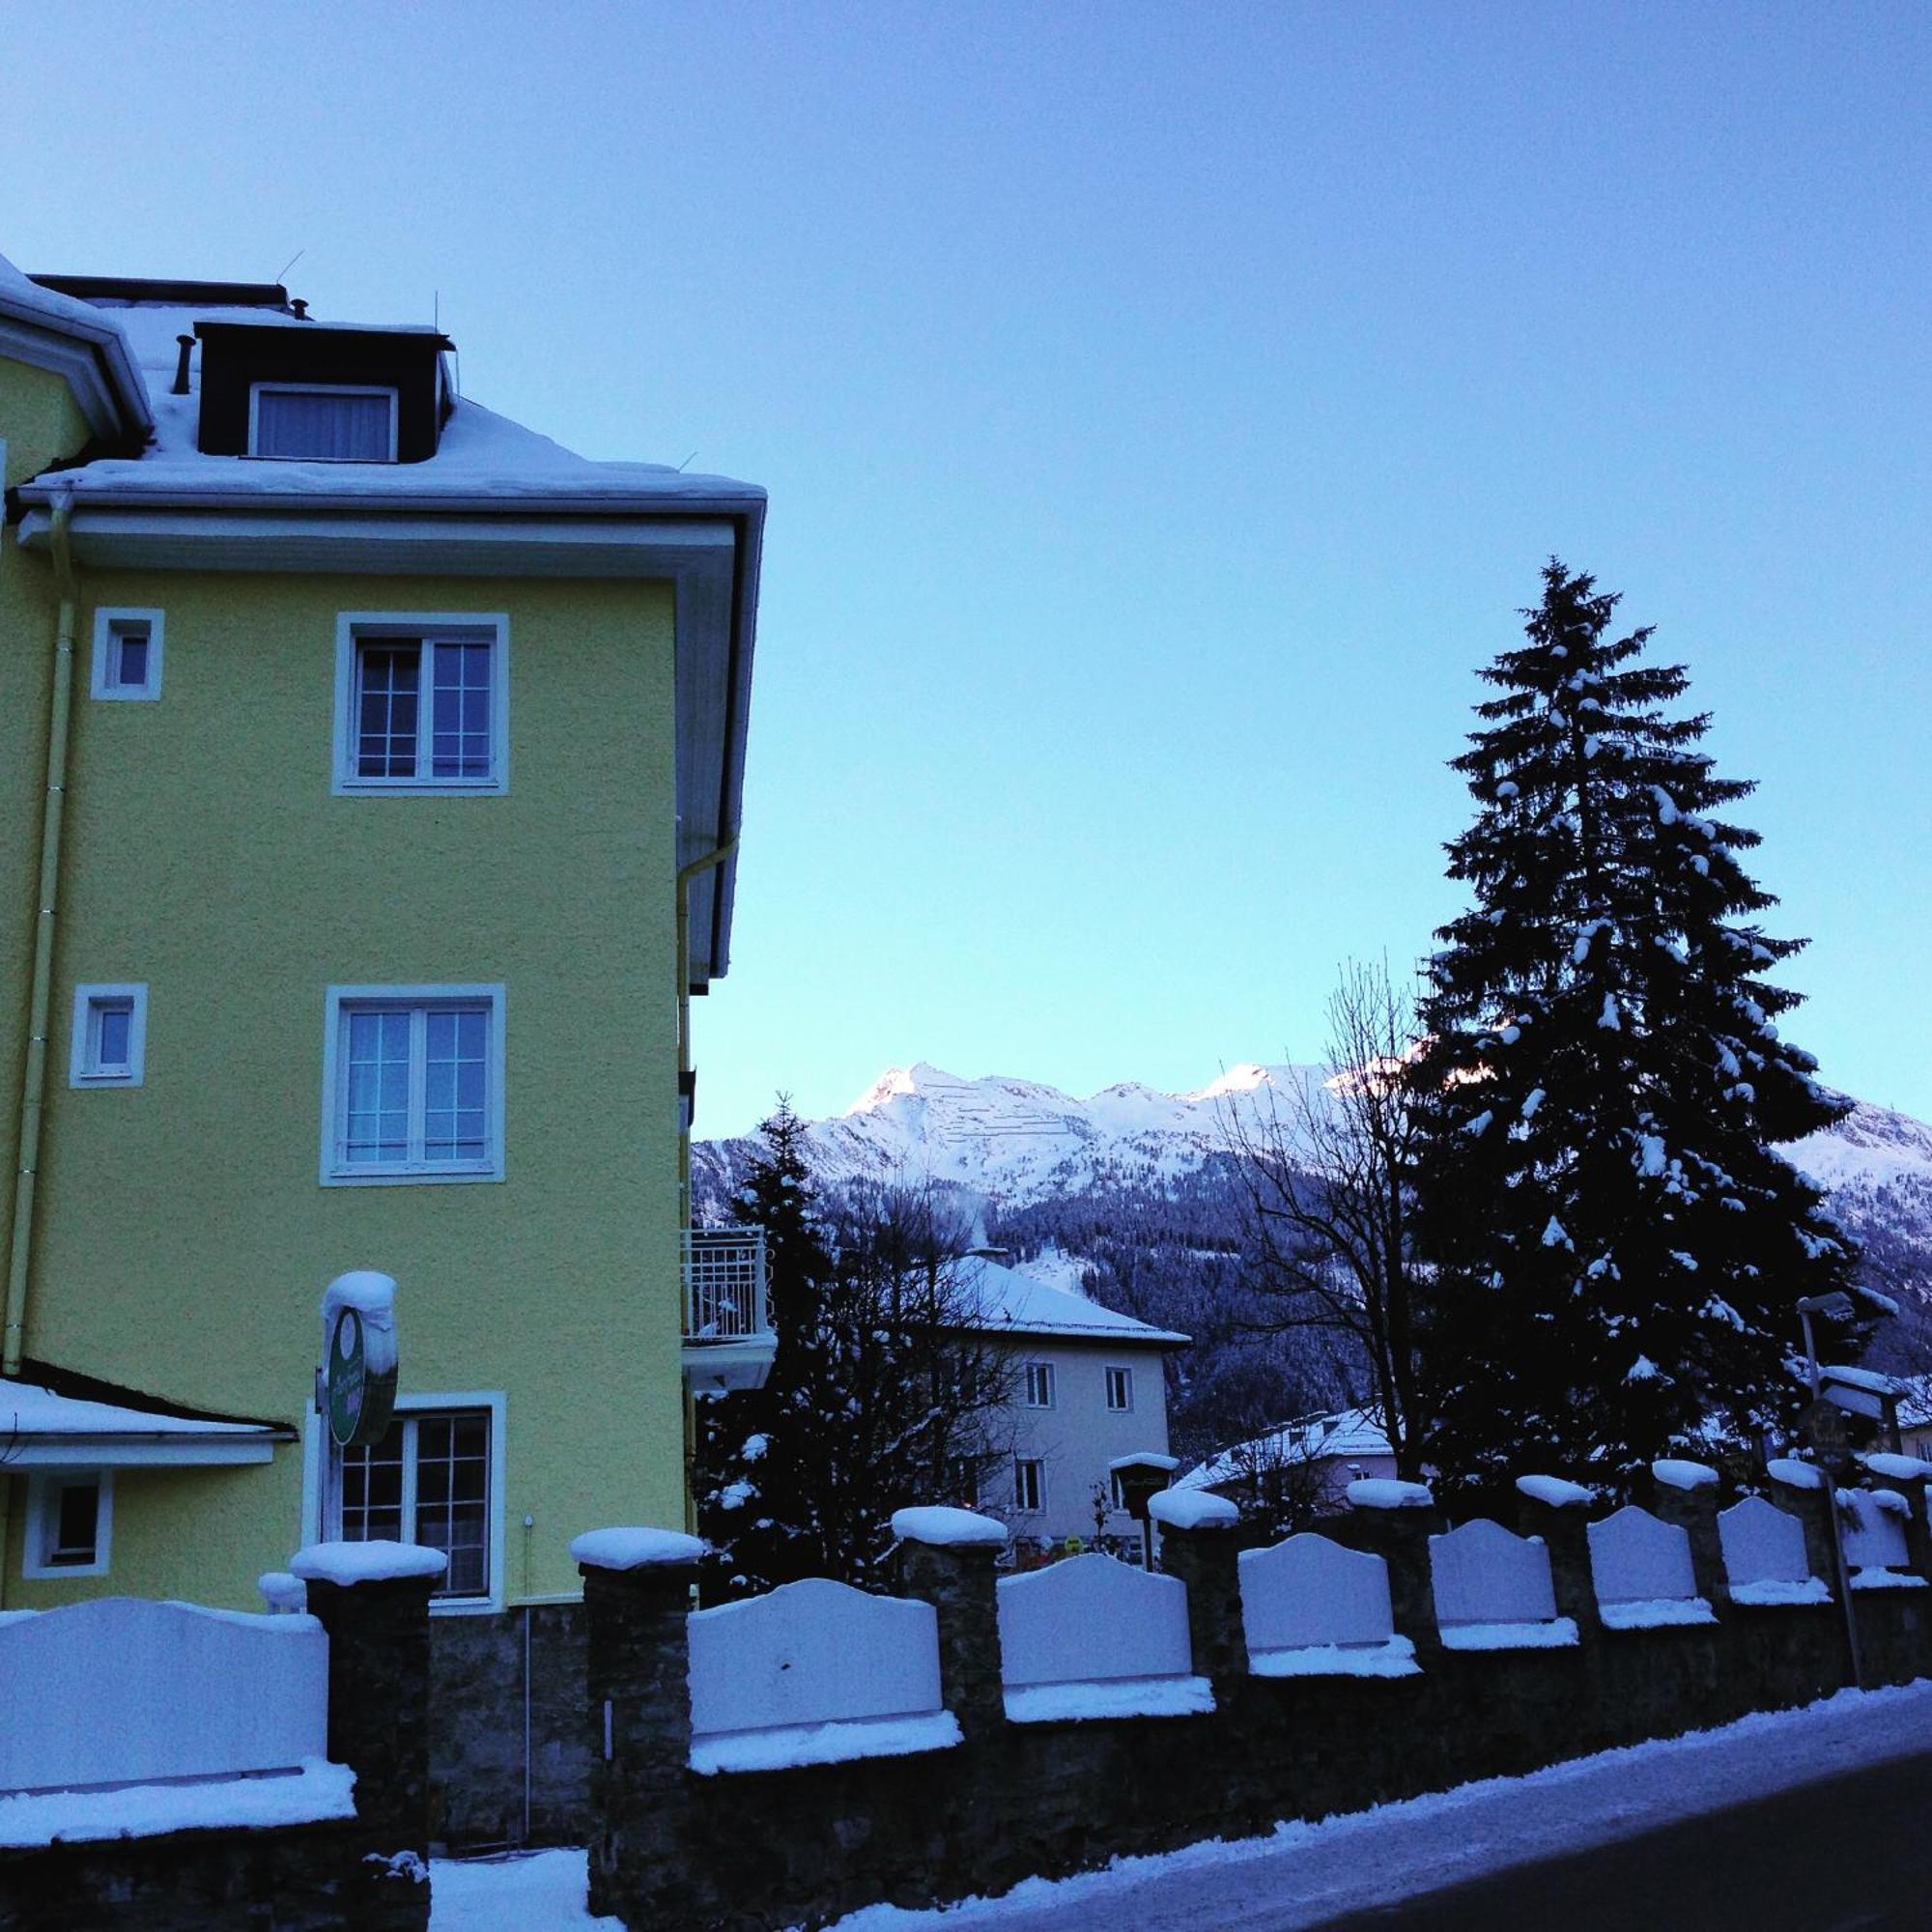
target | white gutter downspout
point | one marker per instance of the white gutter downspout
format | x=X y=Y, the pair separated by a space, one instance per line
x=34 y=1076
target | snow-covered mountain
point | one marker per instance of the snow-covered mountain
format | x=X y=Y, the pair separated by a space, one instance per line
x=1015 y=1145
x=1017 y=1142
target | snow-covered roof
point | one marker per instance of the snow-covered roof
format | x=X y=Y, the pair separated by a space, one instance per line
x=1343 y=1435
x=41 y=1427
x=482 y=459
x=1009 y=1301
x=99 y=365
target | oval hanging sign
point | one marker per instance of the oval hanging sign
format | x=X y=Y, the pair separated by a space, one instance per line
x=358 y=1373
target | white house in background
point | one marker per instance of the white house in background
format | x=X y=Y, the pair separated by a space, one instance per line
x=1089 y=1386
x=1329 y=1450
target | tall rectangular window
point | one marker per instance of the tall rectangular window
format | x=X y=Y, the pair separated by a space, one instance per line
x=420 y=707
x=1039 y=1385
x=1119 y=1388
x=427 y=1481
x=413 y=1079
x=329 y=422
x=1028 y=1484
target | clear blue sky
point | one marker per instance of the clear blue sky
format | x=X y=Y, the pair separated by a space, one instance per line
x=1165 y=410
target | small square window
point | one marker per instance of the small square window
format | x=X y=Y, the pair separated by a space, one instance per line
x=128 y=654
x=1039 y=1385
x=322 y=422
x=413 y=1083
x=110 y=1037
x=1119 y=1388
x=1028 y=1484
x=70 y=1518
x=421 y=705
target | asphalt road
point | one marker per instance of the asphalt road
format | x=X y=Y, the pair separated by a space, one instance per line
x=1848 y=1853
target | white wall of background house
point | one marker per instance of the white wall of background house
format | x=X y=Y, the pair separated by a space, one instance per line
x=1089 y=1386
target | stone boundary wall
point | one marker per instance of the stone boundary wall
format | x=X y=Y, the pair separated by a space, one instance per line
x=365 y=1874
x=673 y=1851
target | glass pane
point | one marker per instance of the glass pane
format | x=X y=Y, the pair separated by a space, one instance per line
x=387 y=690
x=376 y=1120
x=77 y=1513
x=114 y=1027
x=372 y=1491
x=460 y=716
x=455 y=1087
x=323 y=424
x=452 y=1498
x=131 y=652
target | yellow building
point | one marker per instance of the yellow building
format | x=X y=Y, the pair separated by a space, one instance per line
x=372 y=773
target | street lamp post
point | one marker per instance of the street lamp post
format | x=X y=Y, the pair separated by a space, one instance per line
x=1839 y=1306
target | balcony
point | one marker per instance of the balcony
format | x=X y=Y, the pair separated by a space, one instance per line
x=729 y=1342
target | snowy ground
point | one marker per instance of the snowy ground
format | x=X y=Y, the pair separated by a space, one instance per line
x=1304 y=1874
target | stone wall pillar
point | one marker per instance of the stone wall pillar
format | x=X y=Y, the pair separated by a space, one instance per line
x=1689 y=1500
x=1395 y=1520
x=1799 y=1489
x=373 y=1599
x=1197 y=1546
x=1557 y=1512
x=637 y=1587
x=945 y=1559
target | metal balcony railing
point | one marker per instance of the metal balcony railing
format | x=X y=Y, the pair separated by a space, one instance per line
x=726 y=1284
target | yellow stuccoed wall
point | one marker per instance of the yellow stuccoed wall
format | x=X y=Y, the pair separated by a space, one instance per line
x=183 y=1235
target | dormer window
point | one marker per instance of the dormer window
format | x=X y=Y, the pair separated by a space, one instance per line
x=322 y=422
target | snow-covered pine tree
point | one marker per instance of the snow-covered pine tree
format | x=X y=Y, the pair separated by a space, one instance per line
x=881 y=1394
x=756 y=1450
x=1617 y=1245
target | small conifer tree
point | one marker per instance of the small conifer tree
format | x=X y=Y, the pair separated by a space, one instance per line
x=1616 y=1244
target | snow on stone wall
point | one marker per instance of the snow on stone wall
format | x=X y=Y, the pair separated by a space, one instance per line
x=124 y=1691
x=1309 y=1591
x=1635 y=1556
x=1092 y=1619
x=1484 y=1574
x=1878 y=1541
x=1762 y=1543
x=814 y=1652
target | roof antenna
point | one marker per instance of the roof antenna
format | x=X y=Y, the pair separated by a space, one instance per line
x=291 y=262
x=687 y=460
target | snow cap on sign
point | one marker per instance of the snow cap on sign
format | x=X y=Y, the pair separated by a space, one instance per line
x=1192 y=1508
x=637 y=1549
x=948 y=1529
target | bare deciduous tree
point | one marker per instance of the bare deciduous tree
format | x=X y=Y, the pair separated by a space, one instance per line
x=1326 y=1172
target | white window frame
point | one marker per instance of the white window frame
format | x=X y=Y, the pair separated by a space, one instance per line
x=83 y=1066
x=340 y=1001
x=1126 y=1375
x=44 y=1488
x=321 y=1499
x=256 y=390
x=1038 y=1465
x=109 y=622
x=1047 y=1384
x=431 y=627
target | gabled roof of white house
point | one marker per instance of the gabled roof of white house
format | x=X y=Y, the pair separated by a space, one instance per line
x=495 y=499
x=1342 y=1435
x=1011 y=1302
